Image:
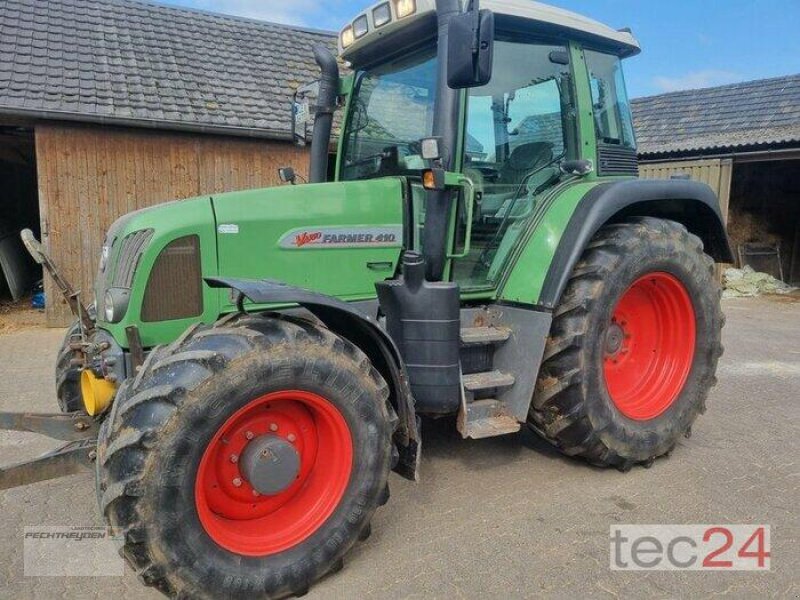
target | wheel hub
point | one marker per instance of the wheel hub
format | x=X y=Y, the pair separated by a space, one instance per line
x=614 y=337
x=270 y=464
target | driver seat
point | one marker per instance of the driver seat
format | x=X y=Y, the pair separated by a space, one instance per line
x=524 y=159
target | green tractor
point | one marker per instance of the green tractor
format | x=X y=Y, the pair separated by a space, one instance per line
x=259 y=360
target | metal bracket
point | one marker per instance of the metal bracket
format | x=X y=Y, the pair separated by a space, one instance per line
x=78 y=429
x=70 y=459
x=72 y=297
x=68 y=427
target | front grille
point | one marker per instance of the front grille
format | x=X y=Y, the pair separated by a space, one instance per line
x=616 y=160
x=175 y=288
x=130 y=252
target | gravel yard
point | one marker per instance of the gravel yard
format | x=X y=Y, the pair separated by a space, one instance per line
x=505 y=517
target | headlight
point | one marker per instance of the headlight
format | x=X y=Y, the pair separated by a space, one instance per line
x=381 y=15
x=108 y=306
x=347 y=37
x=115 y=304
x=403 y=8
x=360 y=26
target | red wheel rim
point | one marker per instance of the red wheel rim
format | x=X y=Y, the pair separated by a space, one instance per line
x=649 y=346
x=232 y=512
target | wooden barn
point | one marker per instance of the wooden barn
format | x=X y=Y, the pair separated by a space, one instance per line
x=113 y=105
x=743 y=140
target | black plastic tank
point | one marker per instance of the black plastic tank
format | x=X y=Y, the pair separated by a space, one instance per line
x=423 y=319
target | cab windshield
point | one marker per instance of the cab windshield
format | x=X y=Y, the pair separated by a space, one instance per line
x=390 y=111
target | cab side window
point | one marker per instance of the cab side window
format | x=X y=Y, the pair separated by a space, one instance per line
x=616 y=143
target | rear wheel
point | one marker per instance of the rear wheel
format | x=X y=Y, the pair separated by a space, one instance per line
x=633 y=348
x=246 y=459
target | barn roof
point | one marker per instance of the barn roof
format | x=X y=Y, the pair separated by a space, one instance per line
x=145 y=64
x=752 y=114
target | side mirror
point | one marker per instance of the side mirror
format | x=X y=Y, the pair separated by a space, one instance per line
x=579 y=168
x=300 y=118
x=302 y=111
x=287 y=175
x=470 y=46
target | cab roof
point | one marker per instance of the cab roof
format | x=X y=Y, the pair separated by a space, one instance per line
x=621 y=42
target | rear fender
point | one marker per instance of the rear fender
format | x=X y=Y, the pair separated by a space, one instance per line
x=348 y=322
x=690 y=203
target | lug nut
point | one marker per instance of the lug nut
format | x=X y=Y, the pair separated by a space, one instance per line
x=249 y=435
x=291 y=437
x=234 y=458
x=237 y=482
x=273 y=427
x=255 y=493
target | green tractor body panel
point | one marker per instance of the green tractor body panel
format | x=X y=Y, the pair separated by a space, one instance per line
x=167 y=222
x=337 y=239
x=531 y=257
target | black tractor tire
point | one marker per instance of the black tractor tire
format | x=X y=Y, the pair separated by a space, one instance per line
x=68 y=376
x=572 y=407
x=163 y=423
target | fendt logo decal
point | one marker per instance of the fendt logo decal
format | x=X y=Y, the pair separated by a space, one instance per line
x=306 y=237
x=356 y=236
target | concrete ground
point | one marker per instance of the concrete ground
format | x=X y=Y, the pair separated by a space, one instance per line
x=507 y=517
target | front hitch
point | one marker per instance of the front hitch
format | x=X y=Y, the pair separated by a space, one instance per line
x=77 y=429
x=72 y=296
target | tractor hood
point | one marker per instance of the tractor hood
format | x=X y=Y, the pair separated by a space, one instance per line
x=333 y=238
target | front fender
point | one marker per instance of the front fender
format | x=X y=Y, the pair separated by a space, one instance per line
x=362 y=330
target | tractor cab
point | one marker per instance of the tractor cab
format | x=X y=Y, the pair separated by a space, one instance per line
x=515 y=136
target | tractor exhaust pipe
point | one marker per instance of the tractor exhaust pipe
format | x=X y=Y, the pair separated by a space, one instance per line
x=323 y=118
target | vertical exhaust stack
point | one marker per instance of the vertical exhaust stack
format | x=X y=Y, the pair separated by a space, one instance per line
x=323 y=118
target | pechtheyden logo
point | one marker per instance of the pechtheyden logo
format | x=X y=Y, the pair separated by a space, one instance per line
x=72 y=552
x=348 y=236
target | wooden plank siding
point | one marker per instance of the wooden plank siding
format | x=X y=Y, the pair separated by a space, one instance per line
x=89 y=176
x=716 y=172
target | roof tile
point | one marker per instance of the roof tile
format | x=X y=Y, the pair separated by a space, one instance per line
x=754 y=113
x=134 y=59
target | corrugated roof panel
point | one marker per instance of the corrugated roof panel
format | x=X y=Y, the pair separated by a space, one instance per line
x=753 y=113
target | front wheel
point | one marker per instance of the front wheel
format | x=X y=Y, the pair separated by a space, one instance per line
x=68 y=374
x=633 y=347
x=246 y=459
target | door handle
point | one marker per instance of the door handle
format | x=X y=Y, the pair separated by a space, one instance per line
x=384 y=265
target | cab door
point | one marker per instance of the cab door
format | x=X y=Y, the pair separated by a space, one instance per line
x=519 y=128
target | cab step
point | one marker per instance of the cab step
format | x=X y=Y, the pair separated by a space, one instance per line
x=475 y=382
x=481 y=336
x=486 y=418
